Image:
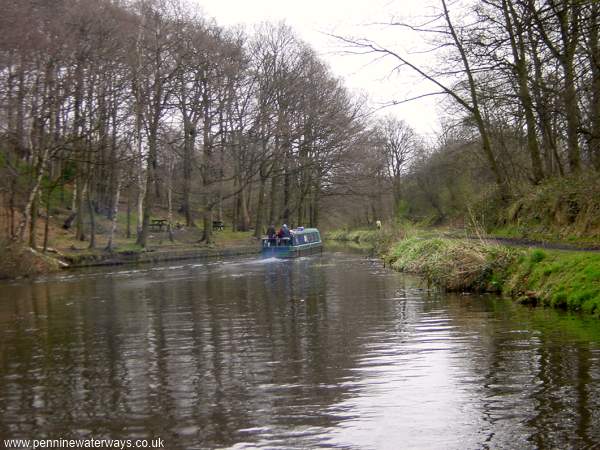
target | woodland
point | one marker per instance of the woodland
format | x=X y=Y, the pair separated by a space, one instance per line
x=114 y=113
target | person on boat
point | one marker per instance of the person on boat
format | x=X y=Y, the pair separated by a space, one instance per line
x=284 y=235
x=272 y=235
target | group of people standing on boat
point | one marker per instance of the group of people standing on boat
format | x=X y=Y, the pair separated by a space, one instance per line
x=281 y=237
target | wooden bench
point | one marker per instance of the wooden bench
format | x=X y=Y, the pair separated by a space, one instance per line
x=158 y=224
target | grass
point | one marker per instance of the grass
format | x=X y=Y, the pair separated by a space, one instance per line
x=364 y=235
x=184 y=237
x=453 y=264
x=569 y=280
x=229 y=236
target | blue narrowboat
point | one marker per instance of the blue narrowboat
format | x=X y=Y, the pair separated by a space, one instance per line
x=302 y=242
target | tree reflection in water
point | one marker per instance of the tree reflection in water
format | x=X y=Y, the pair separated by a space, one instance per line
x=320 y=351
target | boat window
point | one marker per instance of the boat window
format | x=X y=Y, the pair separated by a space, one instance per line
x=300 y=239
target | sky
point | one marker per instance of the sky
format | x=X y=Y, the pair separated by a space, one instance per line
x=314 y=20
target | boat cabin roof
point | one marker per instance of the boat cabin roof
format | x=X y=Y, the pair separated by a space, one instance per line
x=301 y=231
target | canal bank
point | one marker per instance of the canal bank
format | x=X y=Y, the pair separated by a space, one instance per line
x=558 y=278
x=157 y=256
x=22 y=261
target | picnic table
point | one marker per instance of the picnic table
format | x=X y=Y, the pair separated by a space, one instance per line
x=158 y=224
x=218 y=225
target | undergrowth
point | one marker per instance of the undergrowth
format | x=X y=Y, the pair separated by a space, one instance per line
x=565 y=208
x=18 y=260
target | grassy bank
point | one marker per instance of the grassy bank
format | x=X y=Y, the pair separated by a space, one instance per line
x=159 y=255
x=561 y=279
x=453 y=264
x=186 y=245
x=17 y=261
x=569 y=280
x=379 y=240
x=364 y=236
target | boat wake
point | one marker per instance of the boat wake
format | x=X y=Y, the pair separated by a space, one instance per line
x=269 y=260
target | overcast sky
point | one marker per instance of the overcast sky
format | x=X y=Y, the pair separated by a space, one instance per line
x=313 y=19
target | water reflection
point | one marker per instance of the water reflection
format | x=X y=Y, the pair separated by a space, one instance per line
x=331 y=351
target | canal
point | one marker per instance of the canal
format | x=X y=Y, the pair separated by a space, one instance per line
x=327 y=351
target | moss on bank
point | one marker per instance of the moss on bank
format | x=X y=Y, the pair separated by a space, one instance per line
x=569 y=280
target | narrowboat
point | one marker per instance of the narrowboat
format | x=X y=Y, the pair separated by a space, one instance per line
x=302 y=242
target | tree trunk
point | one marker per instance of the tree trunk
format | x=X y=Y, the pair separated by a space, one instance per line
x=141 y=194
x=20 y=116
x=188 y=147
x=81 y=189
x=259 y=225
x=47 y=220
x=12 y=207
x=315 y=204
x=29 y=209
x=476 y=111
x=207 y=163
x=129 y=213
x=572 y=117
x=552 y=162
x=594 y=51
x=273 y=216
x=170 y=203
x=115 y=212
x=286 y=191
x=114 y=171
x=516 y=35
x=74 y=195
x=33 y=222
x=148 y=202
x=207 y=219
x=244 y=213
x=91 y=212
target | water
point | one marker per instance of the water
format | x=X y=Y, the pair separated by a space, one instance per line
x=331 y=351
